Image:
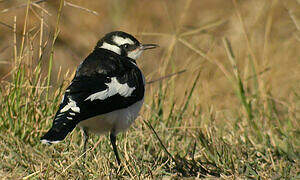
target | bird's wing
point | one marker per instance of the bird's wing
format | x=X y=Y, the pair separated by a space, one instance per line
x=92 y=95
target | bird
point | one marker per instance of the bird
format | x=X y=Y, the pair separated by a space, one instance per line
x=106 y=93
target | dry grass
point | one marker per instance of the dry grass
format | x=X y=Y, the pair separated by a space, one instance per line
x=233 y=113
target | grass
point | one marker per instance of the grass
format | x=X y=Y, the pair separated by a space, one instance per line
x=235 y=123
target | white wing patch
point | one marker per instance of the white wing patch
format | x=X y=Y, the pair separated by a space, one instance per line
x=45 y=141
x=111 y=47
x=114 y=87
x=71 y=105
x=63 y=98
x=120 y=40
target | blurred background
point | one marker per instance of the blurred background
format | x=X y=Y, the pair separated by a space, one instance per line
x=237 y=101
x=265 y=32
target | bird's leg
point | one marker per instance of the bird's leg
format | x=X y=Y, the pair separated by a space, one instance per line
x=113 y=143
x=85 y=140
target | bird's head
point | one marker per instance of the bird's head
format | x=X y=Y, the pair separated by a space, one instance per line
x=123 y=44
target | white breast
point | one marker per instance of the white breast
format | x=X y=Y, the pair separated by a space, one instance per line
x=118 y=120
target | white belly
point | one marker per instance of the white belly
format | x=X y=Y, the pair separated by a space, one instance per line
x=118 y=120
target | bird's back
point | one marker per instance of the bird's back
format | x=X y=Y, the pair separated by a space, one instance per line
x=104 y=83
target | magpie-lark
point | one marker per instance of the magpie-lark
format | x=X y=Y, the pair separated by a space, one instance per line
x=106 y=93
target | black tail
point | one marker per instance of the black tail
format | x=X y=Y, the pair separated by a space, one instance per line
x=60 y=129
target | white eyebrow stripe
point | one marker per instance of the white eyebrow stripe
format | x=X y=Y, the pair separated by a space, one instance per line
x=111 y=47
x=120 y=40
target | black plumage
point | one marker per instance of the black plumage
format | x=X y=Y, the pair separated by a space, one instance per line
x=106 y=93
x=90 y=78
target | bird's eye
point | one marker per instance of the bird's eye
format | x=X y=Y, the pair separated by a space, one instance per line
x=126 y=46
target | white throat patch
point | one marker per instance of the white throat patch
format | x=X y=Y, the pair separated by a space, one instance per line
x=135 y=54
x=120 y=40
x=111 y=47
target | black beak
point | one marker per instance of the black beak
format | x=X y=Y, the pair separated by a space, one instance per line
x=148 y=46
